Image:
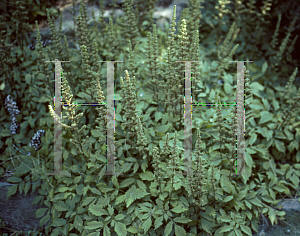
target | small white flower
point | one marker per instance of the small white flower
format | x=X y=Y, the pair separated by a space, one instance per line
x=141 y=94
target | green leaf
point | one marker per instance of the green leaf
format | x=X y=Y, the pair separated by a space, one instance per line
x=163 y=128
x=97 y=210
x=27 y=187
x=2 y=86
x=158 y=222
x=147 y=176
x=179 y=231
x=183 y=220
x=14 y=179
x=225 y=228
x=179 y=209
x=280 y=146
x=40 y=212
x=206 y=225
x=133 y=230
x=88 y=200
x=272 y=215
x=96 y=191
x=60 y=206
x=28 y=78
x=265 y=117
x=227 y=88
x=132 y=194
x=255 y=202
x=256 y=86
x=158 y=116
x=59 y=222
x=103 y=188
x=120 y=199
x=96 y=133
x=44 y=220
x=228 y=198
x=120 y=229
x=84 y=95
x=246 y=229
x=147 y=224
x=94 y=225
x=295 y=180
x=168 y=228
x=106 y=231
x=264 y=67
x=127 y=182
x=248 y=204
x=275 y=104
x=119 y=217
x=63 y=189
x=11 y=190
x=5 y=133
x=78 y=222
x=110 y=210
x=224 y=218
x=253 y=138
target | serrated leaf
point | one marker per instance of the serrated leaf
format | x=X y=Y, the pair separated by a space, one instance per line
x=225 y=228
x=94 y=225
x=27 y=187
x=265 y=117
x=255 y=202
x=11 y=190
x=280 y=146
x=179 y=209
x=44 y=220
x=163 y=128
x=59 y=222
x=183 y=220
x=228 y=198
x=103 y=188
x=127 y=182
x=110 y=210
x=206 y=225
x=60 y=206
x=246 y=229
x=179 y=231
x=40 y=212
x=158 y=222
x=158 y=116
x=295 y=180
x=272 y=216
x=97 y=210
x=106 y=231
x=120 y=229
x=14 y=179
x=120 y=199
x=224 y=218
x=84 y=95
x=133 y=230
x=96 y=191
x=147 y=224
x=147 y=176
x=168 y=228
x=248 y=204
x=78 y=222
x=119 y=217
x=132 y=194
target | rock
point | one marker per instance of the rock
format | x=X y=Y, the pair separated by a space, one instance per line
x=290 y=225
x=17 y=211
